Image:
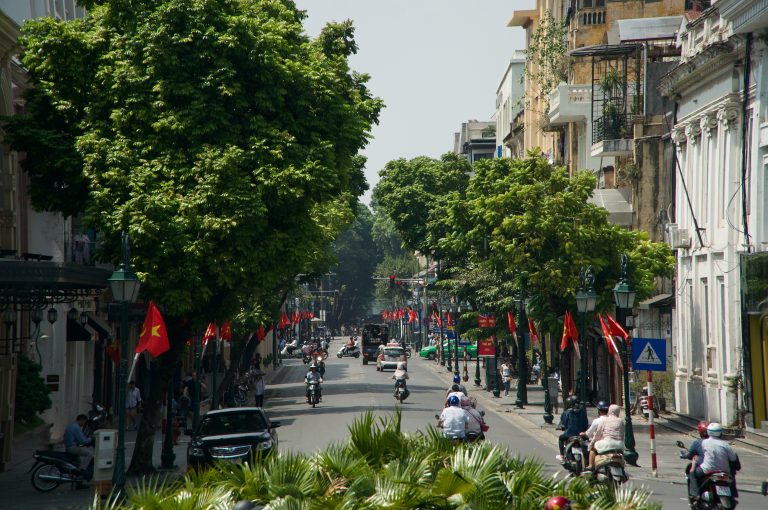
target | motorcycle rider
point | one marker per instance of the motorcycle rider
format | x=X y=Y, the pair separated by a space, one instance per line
x=573 y=422
x=454 y=420
x=602 y=412
x=313 y=377
x=476 y=420
x=76 y=443
x=401 y=374
x=695 y=452
x=719 y=456
x=457 y=382
x=609 y=435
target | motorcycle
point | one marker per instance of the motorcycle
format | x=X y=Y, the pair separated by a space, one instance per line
x=241 y=393
x=644 y=407
x=401 y=391
x=313 y=394
x=534 y=374
x=306 y=358
x=97 y=419
x=715 y=489
x=353 y=352
x=470 y=436
x=320 y=365
x=609 y=468
x=291 y=351
x=574 y=459
x=52 y=468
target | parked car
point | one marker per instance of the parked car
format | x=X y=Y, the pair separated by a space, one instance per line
x=430 y=351
x=389 y=356
x=231 y=435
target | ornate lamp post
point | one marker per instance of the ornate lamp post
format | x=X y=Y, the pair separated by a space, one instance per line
x=445 y=312
x=456 y=338
x=624 y=294
x=586 y=302
x=548 y=416
x=522 y=376
x=124 y=285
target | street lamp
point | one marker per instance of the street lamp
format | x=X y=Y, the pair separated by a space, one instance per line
x=522 y=390
x=624 y=294
x=586 y=302
x=446 y=313
x=124 y=285
x=456 y=338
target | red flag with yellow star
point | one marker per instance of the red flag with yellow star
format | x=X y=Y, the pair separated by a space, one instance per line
x=154 y=336
x=226 y=331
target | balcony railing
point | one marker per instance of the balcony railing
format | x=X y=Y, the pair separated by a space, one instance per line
x=612 y=126
x=569 y=103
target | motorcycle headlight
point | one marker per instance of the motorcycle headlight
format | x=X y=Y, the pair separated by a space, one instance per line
x=196 y=451
x=266 y=445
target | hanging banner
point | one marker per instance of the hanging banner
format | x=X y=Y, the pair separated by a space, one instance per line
x=485 y=347
x=486 y=321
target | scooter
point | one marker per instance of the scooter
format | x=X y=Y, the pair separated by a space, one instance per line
x=609 y=468
x=52 y=468
x=401 y=391
x=715 y=489
x=470 y=437
x=574 y=459
x=97 y=418
x=313 y=393
x=353 y=352
x=320 y=365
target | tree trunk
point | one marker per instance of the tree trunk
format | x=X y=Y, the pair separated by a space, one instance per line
x=141 y=461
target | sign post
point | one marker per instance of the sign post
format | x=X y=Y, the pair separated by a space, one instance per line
x=650 y=354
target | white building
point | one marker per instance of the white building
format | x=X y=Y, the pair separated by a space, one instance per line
x=721 y=209
x=510 y=95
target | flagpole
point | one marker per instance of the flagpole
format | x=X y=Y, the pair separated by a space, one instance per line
x=214 y=394
x=198 y=391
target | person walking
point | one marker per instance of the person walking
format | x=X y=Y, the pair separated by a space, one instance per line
x=506 y=375
x=259 y=388
x=133 y=403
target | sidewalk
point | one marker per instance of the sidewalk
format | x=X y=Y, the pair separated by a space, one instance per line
x=670 y=467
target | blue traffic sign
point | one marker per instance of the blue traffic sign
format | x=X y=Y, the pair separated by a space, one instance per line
x=649 y=354
x=465 y=342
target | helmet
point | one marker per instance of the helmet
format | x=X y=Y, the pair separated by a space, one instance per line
x=714 y=429
x=313 y=365
x=602 y=406
x=465 y=402
x=573 y=401
x=456 y=379
x=558 y=503
x=702 y=428
x=453 y=400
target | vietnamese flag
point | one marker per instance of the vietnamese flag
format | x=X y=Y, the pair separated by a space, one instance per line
x=154 y=336
x=511 y=323
x=437 y=319
x=226 y=331
x=412 y=317
x=260 y=334
x=570 y=332
x=609 y=342
x=532 y=329
x=615 y=329
x=210 y=333
x=113 y=351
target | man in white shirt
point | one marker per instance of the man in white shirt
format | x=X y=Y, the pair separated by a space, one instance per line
x=454 y=420
x=132 y=404
x=476 y=420
x=602 y=411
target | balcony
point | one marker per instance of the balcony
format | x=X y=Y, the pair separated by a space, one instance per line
x=569 y=103
x=612 y=135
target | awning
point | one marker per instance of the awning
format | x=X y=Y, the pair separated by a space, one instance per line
x=657 y=301
x=645 y=29
x=29 y=284
x=76 y=332
x=619 y=209
x=99 y=327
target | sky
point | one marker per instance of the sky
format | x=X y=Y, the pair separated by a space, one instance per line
x=435 y=63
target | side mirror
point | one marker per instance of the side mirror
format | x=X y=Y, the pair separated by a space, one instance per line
x=275 y=424
x=189 y=432
x=680 y=444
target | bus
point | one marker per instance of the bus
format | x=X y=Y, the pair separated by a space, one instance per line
x=373 y=336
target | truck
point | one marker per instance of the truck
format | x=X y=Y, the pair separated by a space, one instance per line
x=374 y=335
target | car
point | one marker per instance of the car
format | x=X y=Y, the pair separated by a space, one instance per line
x=389 y=357
x=231 y=435
x=430 y=351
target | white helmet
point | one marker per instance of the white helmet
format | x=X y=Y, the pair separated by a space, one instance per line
x=714 y=429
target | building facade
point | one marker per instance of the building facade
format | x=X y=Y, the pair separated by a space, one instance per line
x=510 y=96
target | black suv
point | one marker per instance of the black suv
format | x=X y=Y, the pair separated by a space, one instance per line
x=232 y=435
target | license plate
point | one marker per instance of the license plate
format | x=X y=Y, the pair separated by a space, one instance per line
x=576 y=454
x=722 y=490
x=617 y=472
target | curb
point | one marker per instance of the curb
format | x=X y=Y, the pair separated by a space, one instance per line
x=545 y=432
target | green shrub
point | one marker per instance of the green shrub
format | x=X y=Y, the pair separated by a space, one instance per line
x=31 y=392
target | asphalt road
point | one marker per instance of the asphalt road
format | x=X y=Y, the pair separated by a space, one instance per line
x=351 y=388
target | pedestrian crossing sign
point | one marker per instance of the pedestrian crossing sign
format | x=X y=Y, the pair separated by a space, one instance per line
x=649 y=354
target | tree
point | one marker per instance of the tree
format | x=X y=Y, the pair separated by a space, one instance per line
x=413 y=194
x=218 y=135
x=32 y=395
x=357 y=259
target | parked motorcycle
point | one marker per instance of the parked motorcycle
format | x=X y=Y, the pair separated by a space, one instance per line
x=314 y=394
x=97 y=419
x=353 y=352
x=574 y=459
x=534 y=375
x=715 y=489
x=53 y=468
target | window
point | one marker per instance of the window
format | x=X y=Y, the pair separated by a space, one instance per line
x=723 y=320
x=705 y=325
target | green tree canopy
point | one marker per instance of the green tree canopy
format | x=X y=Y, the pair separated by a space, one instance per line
x=414 y=193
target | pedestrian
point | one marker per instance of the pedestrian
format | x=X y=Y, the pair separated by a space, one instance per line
x=506 y=375
x=133 y=405
x=258 y=388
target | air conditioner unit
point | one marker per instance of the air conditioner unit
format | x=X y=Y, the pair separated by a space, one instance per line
x=678 y=238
